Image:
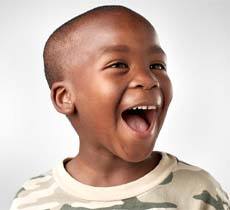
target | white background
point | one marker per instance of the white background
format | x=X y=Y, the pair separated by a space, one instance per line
x=195 y=36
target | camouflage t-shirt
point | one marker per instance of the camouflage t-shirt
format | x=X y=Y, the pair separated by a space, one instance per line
x=172 y=184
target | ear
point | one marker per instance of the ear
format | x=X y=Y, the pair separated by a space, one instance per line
x=61 y=98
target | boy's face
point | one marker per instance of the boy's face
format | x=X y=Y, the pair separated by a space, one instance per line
x=117 y=64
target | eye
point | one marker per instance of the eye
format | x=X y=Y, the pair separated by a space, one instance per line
x=119 y=65
x=157 y=66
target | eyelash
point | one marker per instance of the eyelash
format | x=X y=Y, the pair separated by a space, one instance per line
x=163 y=67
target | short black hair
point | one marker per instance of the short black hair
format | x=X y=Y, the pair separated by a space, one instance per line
x=60 y=40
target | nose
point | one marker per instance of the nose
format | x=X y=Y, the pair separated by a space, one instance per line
x=144 y=79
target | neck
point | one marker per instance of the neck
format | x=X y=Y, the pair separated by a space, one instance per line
x=99 y=170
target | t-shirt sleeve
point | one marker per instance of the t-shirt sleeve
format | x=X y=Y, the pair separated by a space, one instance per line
x=28 y=192
x=212 y=196
x=14 y=205
x=198 y=189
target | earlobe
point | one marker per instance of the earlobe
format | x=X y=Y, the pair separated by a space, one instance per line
x=61 y=98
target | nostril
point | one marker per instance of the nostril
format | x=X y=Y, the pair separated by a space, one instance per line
x=150 y=85
x=145 y=80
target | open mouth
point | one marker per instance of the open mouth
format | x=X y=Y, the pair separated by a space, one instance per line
x=139 y=119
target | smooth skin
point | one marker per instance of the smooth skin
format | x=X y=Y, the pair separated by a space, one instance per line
x=116 y=63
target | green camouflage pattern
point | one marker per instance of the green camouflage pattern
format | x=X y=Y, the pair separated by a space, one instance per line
x=187 y=187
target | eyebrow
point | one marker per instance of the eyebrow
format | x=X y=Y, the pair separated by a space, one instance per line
x=155 y=49
x=115 y=48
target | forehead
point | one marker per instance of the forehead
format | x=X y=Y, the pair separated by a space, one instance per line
x=117 y=33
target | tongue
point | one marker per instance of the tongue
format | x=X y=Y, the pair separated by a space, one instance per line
x=137 y=123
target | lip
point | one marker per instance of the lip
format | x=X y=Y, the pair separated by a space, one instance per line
x=149 y=131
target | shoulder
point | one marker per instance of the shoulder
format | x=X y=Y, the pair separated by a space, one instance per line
x=33 y=189
x=194 y=175
x=192 y=180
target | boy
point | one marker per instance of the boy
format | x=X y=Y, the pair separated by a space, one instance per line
x=107 y=73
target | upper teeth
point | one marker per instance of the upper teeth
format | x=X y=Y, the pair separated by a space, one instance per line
x=143 y=107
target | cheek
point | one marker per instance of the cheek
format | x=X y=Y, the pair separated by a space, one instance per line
x=101 y=93
x=95 y=89
x=167 y=89
x=106 y=87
